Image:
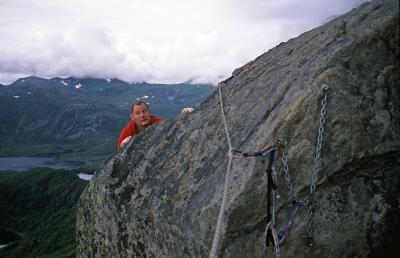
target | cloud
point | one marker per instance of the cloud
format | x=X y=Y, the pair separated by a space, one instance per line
x=154 y=41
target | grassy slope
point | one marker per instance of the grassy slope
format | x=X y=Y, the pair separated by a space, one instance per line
x=40 y=206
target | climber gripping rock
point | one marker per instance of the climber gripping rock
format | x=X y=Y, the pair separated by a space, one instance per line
x=140 y=119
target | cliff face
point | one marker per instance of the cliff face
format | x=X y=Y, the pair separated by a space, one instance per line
x=160 y=196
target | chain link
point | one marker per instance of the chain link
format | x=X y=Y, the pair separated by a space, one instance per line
x=284 y=153
x=317 y=161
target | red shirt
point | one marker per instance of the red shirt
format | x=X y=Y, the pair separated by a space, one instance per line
x=131 y=129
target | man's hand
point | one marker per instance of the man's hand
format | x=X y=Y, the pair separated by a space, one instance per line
x=187 y=110
x=125 y=141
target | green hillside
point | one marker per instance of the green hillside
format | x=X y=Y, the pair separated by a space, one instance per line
x=39 y=205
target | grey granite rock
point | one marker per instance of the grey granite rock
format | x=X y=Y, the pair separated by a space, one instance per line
x=160 y=196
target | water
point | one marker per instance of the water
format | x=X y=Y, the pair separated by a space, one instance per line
x=86 y=177
x=8 y=238
x=25 y=163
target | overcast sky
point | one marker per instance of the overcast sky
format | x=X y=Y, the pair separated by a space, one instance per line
x=157 y=41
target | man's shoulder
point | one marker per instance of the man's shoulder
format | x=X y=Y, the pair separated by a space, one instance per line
x=129 y=126
x=155 y=119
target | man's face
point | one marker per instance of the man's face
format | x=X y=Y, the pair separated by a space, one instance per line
x=140 y=115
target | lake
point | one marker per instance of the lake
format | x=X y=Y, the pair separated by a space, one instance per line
x=8 y=238
x=25 y=163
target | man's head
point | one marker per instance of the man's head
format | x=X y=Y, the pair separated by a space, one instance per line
x=140 y=114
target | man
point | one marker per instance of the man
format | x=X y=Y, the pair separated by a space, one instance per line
x=140 y=119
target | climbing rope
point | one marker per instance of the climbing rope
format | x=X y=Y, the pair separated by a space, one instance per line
x=220 y=222
x=224 y=117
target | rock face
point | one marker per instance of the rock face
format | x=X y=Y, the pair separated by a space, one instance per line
x=160 y=196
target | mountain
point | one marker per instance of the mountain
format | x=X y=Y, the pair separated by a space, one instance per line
x=80 y=119
x=328 y=100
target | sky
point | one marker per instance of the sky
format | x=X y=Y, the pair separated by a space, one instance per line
x=156 y=41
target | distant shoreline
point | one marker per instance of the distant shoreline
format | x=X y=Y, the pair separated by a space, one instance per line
x=24 y=163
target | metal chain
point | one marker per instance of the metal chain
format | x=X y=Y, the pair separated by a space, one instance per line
x=317 y=161
x=284 y=153
x=314 y=177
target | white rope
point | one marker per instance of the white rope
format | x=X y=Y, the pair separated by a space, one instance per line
x=218 y=234
x=224 y=117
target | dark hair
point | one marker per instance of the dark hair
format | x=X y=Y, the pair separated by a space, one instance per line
x=139 y=103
